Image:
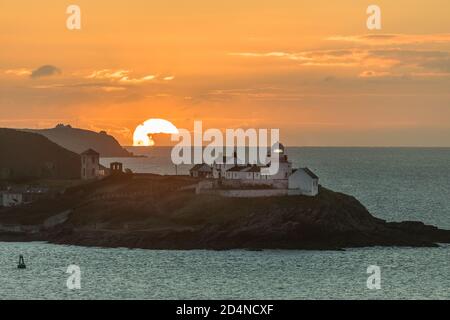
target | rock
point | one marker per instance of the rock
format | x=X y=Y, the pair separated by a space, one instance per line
x=164 y=219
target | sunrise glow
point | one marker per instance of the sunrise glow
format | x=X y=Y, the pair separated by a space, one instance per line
x=143 y=133
x=312 y=69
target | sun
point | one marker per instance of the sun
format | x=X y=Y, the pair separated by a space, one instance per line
x=143 y=133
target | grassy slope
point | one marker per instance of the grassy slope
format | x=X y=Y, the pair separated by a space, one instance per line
x=27 y=155
x=155 y=213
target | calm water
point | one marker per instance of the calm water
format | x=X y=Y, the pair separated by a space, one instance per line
x=395 y=184
x=148 y=274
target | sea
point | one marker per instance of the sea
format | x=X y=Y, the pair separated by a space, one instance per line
x=395 y=184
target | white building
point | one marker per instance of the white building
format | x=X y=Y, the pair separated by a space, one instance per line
x=248 y=172
x=304 y=180
x=201 y=170
x=90 y=164
x=17 y=196
x=234 y=175
x=11 y=199
x=253 y=172
x=219 y=170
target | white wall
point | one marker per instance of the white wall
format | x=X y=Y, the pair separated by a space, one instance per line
x=11 y=199
x=222 y=168
x=284 y=171
x=89 y=167
x=246 y=193
x=303 y=181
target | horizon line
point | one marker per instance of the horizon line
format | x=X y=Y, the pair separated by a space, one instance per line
x=299 y=146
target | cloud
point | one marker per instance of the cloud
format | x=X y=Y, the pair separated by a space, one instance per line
x=127 y=79
x=442 y=65
x=423 y=59
x=267 y=54
x=373 y=74
x=108 y=74
x=112 y=89
x=121 y=75
x=45 y=71
x=325 y=58
x=374 y=62
x=395 y=39
x=104 y=86
x=262 y=93
x=19 y=72
x=112 y=129
x=311 y=58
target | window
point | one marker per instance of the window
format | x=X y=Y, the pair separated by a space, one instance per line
x=84 y=172
x=93 y=171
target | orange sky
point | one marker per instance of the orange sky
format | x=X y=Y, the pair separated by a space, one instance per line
x=309 y=68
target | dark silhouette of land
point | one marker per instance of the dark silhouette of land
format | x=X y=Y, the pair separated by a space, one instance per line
x=163 y=212
x=26 y=155
x=80 y=140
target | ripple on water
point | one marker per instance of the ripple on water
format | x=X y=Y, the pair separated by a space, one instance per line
x=407 y=273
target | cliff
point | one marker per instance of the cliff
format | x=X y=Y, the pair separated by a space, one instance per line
x=160 y=212
x=26 y=155
x=79 y=140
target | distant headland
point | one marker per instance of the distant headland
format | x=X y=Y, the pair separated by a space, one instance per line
x=79 y=140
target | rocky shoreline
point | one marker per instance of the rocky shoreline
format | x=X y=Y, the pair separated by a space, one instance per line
x=161 y=213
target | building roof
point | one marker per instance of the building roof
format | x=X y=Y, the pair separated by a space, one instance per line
x=254 y=169
x=237 y=168
x=196 y=167
x=201 y=167
x=90 y=152
x=246 y=168
x=310 y=173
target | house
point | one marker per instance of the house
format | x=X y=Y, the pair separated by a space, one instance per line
x=11 y=198
x=250 y=174
x=219 y=170
x=90 y=164
x=103 y=171
x=201 y=170
x=287 y=181
x=115 y=168
x=247 y=172
x=15 y=196
x=305 y=180
x=235 y=173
